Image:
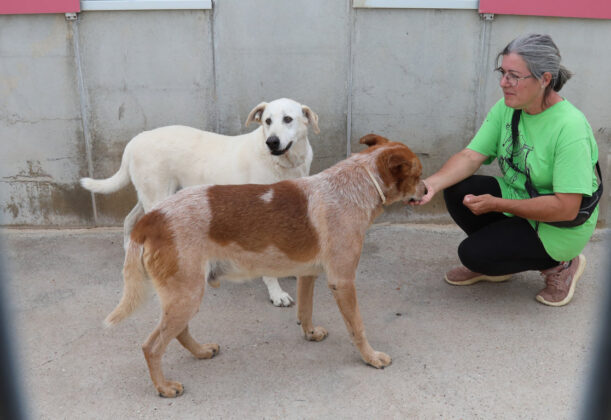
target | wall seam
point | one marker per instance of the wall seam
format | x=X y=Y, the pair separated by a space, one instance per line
x=85 y=110
x=217 y=122
x=482 y=73
x=351 y=31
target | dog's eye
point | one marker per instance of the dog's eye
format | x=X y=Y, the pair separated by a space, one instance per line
x=287 y=119
x=268 y=121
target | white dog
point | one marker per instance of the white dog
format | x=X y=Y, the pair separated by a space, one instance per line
x=162 y=161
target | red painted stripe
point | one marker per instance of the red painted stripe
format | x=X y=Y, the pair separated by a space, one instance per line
x=594 y=9
x=18 y=7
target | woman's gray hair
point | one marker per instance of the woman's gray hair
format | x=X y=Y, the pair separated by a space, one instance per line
x=541 y=55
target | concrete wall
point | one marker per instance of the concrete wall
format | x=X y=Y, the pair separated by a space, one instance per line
x=72 y=93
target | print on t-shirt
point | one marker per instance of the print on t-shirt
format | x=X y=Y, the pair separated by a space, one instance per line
x=513 y=160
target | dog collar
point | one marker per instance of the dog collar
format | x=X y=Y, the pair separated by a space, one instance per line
x=382 y=196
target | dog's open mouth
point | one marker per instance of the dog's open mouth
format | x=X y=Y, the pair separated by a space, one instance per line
x=283 y=151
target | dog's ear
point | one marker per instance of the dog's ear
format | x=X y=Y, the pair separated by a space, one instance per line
x=404 y=169
x=312 y=117
x=256 y=114
x=398 y=166
x=373 y=140
x=391 y=168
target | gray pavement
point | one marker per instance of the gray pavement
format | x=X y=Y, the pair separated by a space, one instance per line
x=488 y=351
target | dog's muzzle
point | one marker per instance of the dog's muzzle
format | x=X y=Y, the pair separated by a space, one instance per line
x=273 y=144
x=421 y=191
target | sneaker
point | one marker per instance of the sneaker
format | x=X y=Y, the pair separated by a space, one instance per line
x=561 y=281
x=462 y=276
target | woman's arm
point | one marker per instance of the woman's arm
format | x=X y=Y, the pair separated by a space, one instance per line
x=460 y=166
x=545 y=208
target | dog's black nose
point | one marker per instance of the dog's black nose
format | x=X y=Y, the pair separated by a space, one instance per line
x=273 y=142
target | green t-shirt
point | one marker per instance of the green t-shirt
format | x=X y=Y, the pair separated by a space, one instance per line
x=558 y=148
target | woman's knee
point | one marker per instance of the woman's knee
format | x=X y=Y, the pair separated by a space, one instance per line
x=470 y=256
x=454 y=195
x=475 y=184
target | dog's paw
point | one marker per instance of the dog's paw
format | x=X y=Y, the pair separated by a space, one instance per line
x=170 y=389
x=215 y=283
x=207 y=351
x=281 y=299
x=379 y=360
x=316 y=334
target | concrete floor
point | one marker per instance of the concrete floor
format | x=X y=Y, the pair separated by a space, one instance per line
x=488 y=351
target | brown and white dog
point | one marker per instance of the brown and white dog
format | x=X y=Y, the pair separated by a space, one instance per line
x=297 y=227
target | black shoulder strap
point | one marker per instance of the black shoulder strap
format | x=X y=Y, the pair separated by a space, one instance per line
x=515 y=119
x=600 y=176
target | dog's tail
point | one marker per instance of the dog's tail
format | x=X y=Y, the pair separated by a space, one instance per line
x=112 y=184
x=135 y=289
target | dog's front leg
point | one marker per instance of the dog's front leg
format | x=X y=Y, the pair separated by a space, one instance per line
x=344 y=293
x=277 y=296
x=305 y=292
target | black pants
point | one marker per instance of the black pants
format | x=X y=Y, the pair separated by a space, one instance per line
x=496 y=244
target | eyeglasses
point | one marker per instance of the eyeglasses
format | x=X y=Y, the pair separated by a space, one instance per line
x=512 y=79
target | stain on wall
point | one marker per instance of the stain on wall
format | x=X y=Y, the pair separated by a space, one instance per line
x=51 y=203
x=114 y=207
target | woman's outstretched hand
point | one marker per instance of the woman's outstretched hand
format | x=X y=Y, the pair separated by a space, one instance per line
x=430 y=192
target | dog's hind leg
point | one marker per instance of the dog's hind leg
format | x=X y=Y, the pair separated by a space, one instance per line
x=305 y=293
x=128 y=225
x=153 y=348
x=276 y=295
x=200 y=351
x=178 y=305
x=154 y=190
